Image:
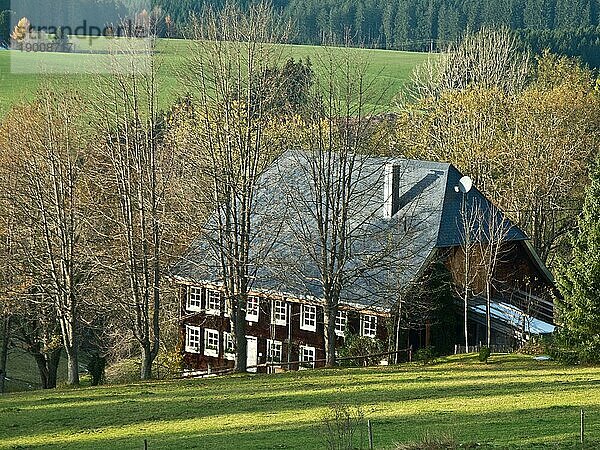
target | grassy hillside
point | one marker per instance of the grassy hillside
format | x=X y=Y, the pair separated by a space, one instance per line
x=512 y=402
x=391 y=69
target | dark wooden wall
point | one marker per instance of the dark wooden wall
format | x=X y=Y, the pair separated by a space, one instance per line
x=514 y=268
x=264 y=330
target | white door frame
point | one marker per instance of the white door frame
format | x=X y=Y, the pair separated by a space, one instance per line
x=251 y=352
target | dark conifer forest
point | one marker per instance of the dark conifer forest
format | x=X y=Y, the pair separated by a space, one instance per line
x=569 y=27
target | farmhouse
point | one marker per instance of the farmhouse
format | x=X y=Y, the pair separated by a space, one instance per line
x=418 y=244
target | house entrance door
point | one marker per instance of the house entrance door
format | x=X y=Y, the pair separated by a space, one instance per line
x=252 y=353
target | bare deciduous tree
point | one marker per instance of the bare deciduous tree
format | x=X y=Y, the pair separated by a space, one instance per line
x=490 y=59
x=37 y=332
x=493 y=245
x=49 y=156
x=469 y=229
x=525 y=150
x=7 y=272
x=230 y=139
x=5 y=319
x=335 y=204
x=133 y=184
x=485 y=233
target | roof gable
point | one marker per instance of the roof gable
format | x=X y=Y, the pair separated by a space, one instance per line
x=459 y=207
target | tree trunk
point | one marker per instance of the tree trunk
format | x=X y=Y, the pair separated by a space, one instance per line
x=69 y=338
x=488 y=313
x=48 y=367
x=397 y=332
x=4 y=339
x=42 y=370
x=68 y=327
x=241 y=343
x=72 y=366
x=147 y=359
x=53 y=358
x=330 y=338
x=466 y=299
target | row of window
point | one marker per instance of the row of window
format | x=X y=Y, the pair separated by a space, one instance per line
x=193 y=342
x=307 y=354
x=212 y=342
x=308 y=313
x=213 y=300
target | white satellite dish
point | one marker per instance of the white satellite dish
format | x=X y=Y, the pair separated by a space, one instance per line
x=464 y=185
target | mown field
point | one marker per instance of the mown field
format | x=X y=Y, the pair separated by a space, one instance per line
x=21 y=73
x=512 y=402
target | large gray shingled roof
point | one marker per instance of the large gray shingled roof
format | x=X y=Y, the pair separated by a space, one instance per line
x=388 y=253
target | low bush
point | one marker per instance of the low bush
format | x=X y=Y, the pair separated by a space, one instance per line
x=425 y=355
x=572 y=351
x=356 y=346
x=534 y=347
x=124 y=371
x=95 y=367
x=484 y=354
x=569 y=357
x=344 y=428
x=168 y=364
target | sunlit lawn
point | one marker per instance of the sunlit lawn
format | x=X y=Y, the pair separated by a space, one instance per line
x=22 y=73
x=511 y=402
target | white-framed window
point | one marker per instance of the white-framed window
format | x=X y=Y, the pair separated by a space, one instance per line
x=211 y=342
x=194 y=299
x=368 y=325
x=307 y=356
x=341 y=321
x=192 y=338
x=252 y=309
x=308 y=318
x=213 y=302
x=279 y=312
x=274 y=351
x=228 y=346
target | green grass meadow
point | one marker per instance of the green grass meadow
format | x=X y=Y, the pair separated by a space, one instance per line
x=22 y=73
x=511 y=402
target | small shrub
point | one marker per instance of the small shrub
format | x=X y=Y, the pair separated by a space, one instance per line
x=124 y=371
x=168 y=363
x=589 y=350
x=355 y=346
x=425 y=355
x=571 y=351
x=95 y=368
x=566 y=356
x=484 y=354
x=344 y=427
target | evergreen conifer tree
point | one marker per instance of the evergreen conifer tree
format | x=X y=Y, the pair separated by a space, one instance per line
x=579 y=279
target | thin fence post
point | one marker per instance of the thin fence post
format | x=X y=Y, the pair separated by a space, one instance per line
x=582 y=426
x=410 y=354
x=370 y=434
x=145 y=444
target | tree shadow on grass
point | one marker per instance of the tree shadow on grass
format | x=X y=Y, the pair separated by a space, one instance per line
x=87 y=411
x=534 y=428
x=140 y=412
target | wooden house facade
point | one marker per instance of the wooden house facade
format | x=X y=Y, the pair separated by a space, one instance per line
x=278 y=329
x=412 y=216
